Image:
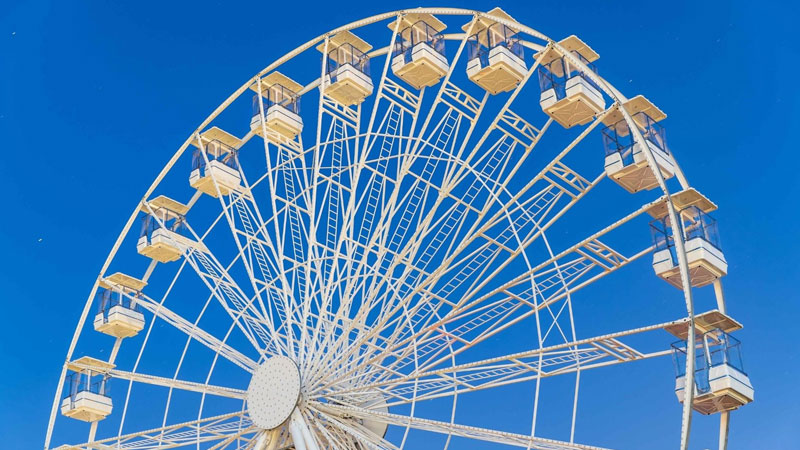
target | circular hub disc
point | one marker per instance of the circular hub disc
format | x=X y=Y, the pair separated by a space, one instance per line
x=274 y=392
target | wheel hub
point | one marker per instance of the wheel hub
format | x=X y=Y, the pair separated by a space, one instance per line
x=274 y=392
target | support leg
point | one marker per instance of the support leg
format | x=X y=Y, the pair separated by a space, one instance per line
x=719 y=295
x=297 y=434
x=724 y=424
x=301 y=435
x=261 y=441
x=274 y=436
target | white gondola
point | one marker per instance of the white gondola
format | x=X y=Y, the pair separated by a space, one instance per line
x=568 y=95
x=219 y=164
x=87 y=394
x=347 y=79
x=118 y=314
x=720 y=383
x=703 y=253
x=495 y=59
x=418 y=56
x=280 y=105
x=625 y=161
x=160 y=238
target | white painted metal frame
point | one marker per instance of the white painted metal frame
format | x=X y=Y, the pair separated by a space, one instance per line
x=365 y=240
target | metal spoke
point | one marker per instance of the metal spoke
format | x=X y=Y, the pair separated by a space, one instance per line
x=197 y=333
x=476 y=433
x=218 y=428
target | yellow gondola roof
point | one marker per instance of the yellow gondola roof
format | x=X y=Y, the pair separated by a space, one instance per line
x=164 y=202
x=277 y=78
x=484 y=22
x=345 y=37
x=411 y=18
x=80 y=365
x=636 y=105
x=220 y=135
x=683 y=199
x=120 y=279
x=571 y=43
x=703 y=323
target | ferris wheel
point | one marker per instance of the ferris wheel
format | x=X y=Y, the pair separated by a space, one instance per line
x=375 y=269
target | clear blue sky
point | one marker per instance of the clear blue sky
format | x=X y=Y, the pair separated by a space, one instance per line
x=95 y=97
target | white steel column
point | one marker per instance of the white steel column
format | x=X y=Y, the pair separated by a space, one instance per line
x=719 y=295
x=261 y=442
x=301 y=436
x=724 y=425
